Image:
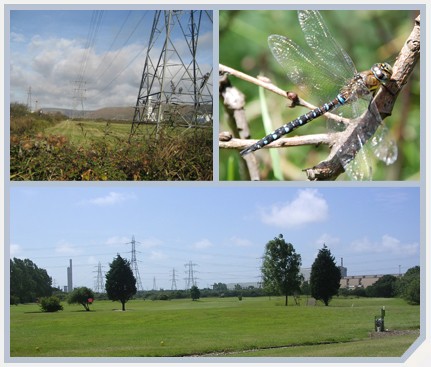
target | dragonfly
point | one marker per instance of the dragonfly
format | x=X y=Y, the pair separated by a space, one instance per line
x=327 y=71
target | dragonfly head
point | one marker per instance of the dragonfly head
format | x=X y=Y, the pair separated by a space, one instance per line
x=382 y=71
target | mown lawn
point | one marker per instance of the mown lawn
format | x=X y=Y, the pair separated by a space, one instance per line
x=223 y=326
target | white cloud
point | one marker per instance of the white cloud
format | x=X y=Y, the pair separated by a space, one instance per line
x=151 y=242
x=202 y=244
x=112 y=198
x=387 y=244
x=328 y=240
x=308 y=207
x=66 y=248
x=17 y=37
x=157 y=255
x=52 y=65
x=15 y=250
x=117 y=240
x=240 y=242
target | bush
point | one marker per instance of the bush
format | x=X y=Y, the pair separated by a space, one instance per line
x=50 y=304
x=14 y=300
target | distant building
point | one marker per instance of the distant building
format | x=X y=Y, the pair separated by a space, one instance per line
x=343 y=270
x=69 y=277
x=231 y=286
x=361 y=281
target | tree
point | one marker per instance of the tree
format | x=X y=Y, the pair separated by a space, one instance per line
x=120 y=282
x=409 y=286
x=195 y=293
x=83 y=296
x=281 y=268
x=325 y=276
x=220 y=287
x=50 y=304
x=384 y=287
x=28 y=282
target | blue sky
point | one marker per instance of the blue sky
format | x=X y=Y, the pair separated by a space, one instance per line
x=221 y=229
x=47 y=49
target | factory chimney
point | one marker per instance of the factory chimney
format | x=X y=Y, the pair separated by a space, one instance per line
x=69 y=277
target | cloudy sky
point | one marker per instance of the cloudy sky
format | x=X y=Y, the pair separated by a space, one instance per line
x=51 y=49
x=223 y=230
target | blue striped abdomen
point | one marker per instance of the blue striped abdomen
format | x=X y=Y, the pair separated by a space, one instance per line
x=294 y=124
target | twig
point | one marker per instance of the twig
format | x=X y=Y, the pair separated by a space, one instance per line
x=292 y=97
x=227 y=141
x=234 y=102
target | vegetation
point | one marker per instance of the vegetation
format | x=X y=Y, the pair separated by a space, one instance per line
x=409 y=286
x=120 y=282
x=83 y=296
x=325 y=276
x=53 y=147
x=281 y=268
x=28 y=282
x=215 y=325
x=195 y=293
x=50 y=304
x=384 y=287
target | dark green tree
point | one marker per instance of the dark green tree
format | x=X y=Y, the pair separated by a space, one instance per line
x=386 y=287
x=409 y=286
x=28 y=282
x=195 y=293
x=281 y=268
x=83 y=296
x=120 y=282
x=325 y=276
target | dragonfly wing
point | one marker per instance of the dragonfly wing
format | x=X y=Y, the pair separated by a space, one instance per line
x=324 y=45
x=383 y=146
x=360 y=168
x=370 y=136
x=303 y=69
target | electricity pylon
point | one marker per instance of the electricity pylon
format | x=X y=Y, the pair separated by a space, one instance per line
x=174 y=89
x=100 y=284
x=134 y=265
x=191 y=279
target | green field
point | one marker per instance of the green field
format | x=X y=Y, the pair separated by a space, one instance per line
x=46 y=148
x=85 y=132
x=214 y=327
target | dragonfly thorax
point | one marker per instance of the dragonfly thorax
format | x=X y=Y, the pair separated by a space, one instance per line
x=382 y=71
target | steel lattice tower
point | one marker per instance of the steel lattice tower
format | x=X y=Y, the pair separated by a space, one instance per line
x=174 y=89
x=191 y=279
x=134 y=265
x=100 y=284
x=174 y=281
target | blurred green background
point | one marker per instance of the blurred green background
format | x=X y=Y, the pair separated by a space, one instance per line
x=367 y=36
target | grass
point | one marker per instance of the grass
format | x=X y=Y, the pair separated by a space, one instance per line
x=82 y=133
x=69 y=150
x=254 y=326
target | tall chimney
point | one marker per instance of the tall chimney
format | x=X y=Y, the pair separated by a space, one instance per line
x=69 y=277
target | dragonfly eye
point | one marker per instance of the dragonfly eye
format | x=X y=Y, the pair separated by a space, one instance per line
x=382 y=71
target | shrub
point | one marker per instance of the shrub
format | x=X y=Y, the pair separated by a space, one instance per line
x=14 y=300
x=50 y=304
